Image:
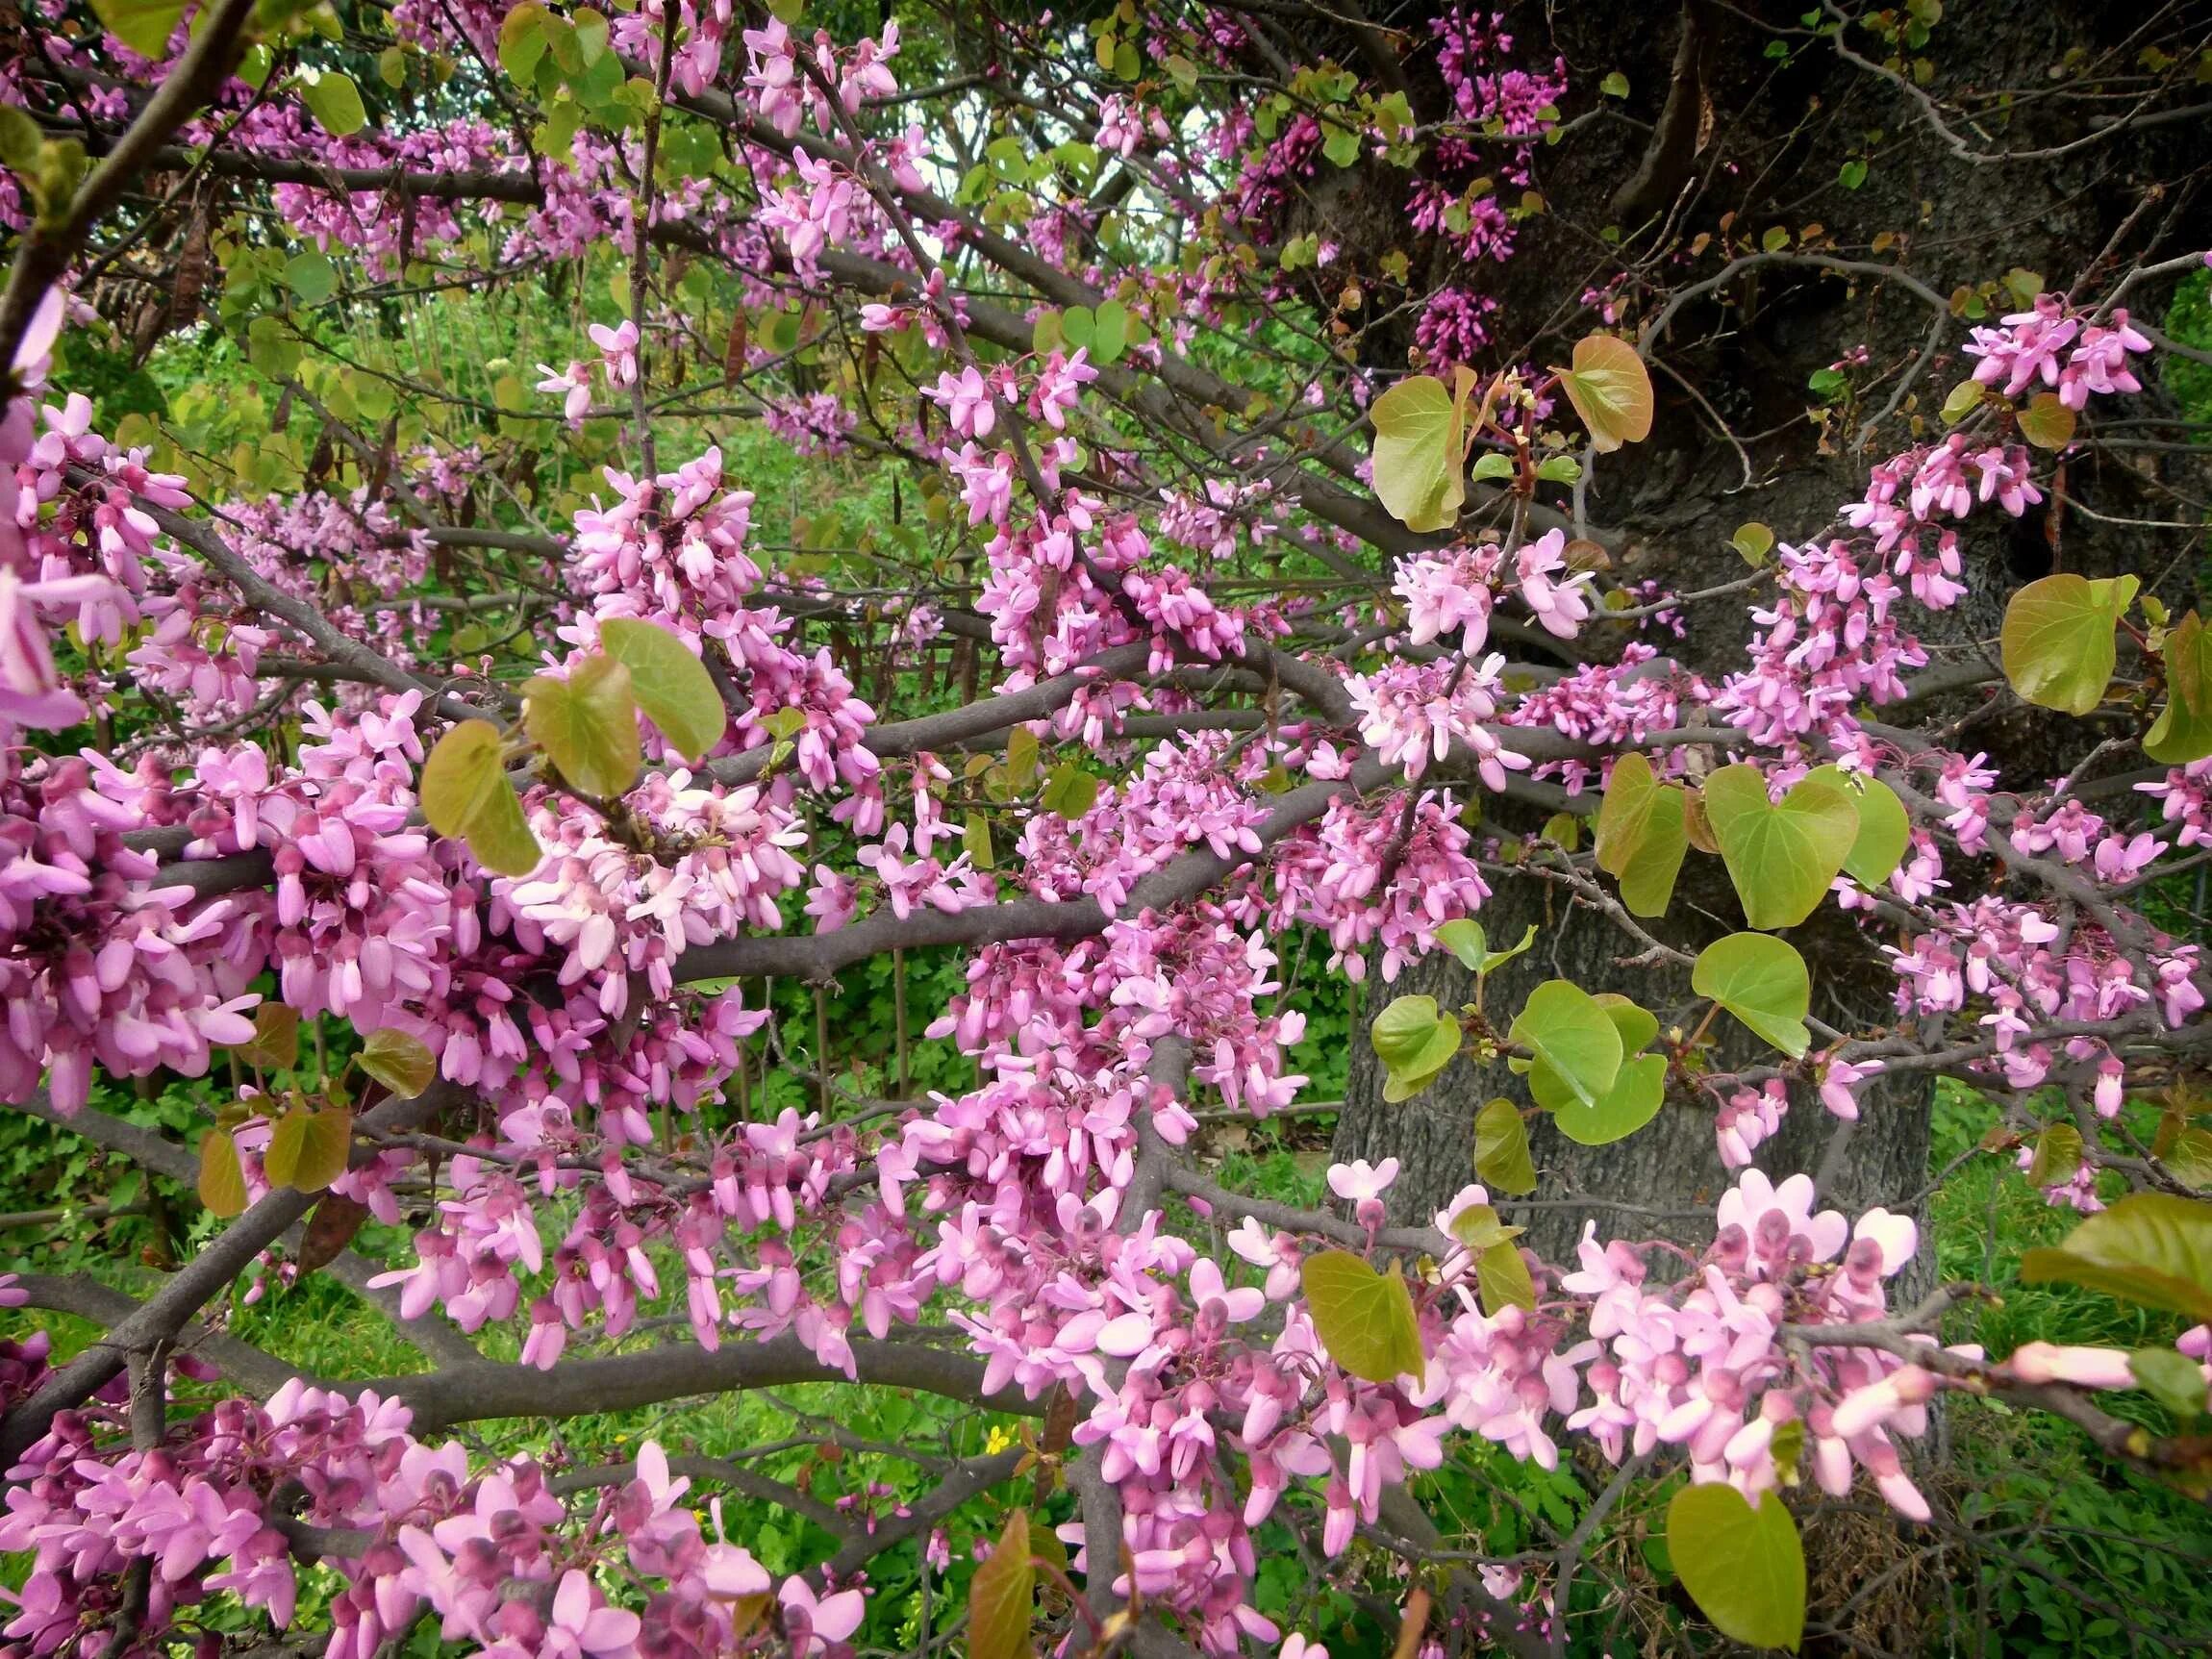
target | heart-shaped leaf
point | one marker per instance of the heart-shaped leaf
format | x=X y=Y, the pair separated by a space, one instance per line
x=1611 y=389
x=1419 y=453
x=1001 y=1595
x=1502 y=1278
x=1643 y=835
x=402 y=1064
x=2183 y=730
x=1501 y=1157
x=671 y=685
x=2057 y=1156
x=143 y=25
x=2047 y=423
x=2149 y=1247
x=2057 y=640
x=222 y=1185
x=335 y=103
x=589 y=724
x=1364 y=1319
x=1744 y=1566
x=1633 y=1102
x=1564 y=1027
x=466 y=794
x=275 y=1043
x=1782 y=858
x=1762 y=981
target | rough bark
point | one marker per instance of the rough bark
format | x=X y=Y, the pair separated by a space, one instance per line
x=1773 y=139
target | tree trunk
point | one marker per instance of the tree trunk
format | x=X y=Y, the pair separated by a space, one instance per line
x=1771 y=141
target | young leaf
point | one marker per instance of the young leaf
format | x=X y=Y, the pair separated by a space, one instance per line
x=2183 y=730
x=1611 y=389
x=335 y=102
x=2175 y=1381
x=2045 y=422
x=1419 y=475
x=401 y=1063
x=1633 y=1102
x=1400 y=1030
x=2057 y=1156
x=287 y=1136
x=1755 y=541
x=222 y=1180
x=1364 y=1319
x=1885 y=829
x=1781 y=858
x=672 y=684
x=2057 y=640
x=2149 y=1247
x=324 y=1150
x=1744 y=1567
x=143 y=25
x=337 y=1219
x=1502 y=1278
x=589 y=724
x=1641 y=835
x=275 y=1044
x=1501 y=1157
x=466 y=794
x=1762 y=981
x=1000 y=1596
x=1565 y=1028
x=1071 y=792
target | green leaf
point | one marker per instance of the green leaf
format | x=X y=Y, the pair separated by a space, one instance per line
x=2149 y=1247
x=1633 y=1102
x=2058 y=642
x=1001 y=1595
x=1762 y=981
x=1501 y=1157
x=1490 y=464
x=1465 y=940
x=976 y=841
x=401 y=1063
x=1564 y=1027
x=1851 y=174
x=1364 y=1319
x=1109 y=330
x=671 y=685
x=2057 y=1156
x=1341 y=144
x=1502 y=1277
x=143 y=25
x=2183 y=730
x=1641 y=835
x=2189 y=1159
x=275 y=1042
x=588 y=723
x=522 y=40
x=306 y=1150
x=310 y=274
x=1755 y=541
x=222 y=1185
x=1611 y=389
x=1419 y=453
x=1744 y=1567
x=2045 y=422
x=1400 y=1030
x=335 y=103
x=466 y=794
x=1885 y=833
x=1781 y=858
x=1071 y=792
x=1963 y=400
x=1614 y=84
x=2172 y=1378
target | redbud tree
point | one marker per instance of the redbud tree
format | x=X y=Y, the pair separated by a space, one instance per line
x=1654 y=543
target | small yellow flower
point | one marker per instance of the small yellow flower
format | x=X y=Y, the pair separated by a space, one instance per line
x=1000 y=1439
